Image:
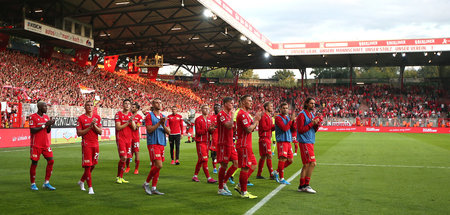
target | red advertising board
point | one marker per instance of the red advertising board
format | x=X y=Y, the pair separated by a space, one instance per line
x=385 y=129
x=14 y=137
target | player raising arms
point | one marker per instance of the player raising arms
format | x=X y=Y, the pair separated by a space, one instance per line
x=307 y=126
x=283 y=125
x=156 y=125
x=265 y=129
x=203 y=128
x=226 y=150
x=89 y=127
x=124 y=126
x=40 y=127
x=246 y=159
x=214 y=137
x=135 y=138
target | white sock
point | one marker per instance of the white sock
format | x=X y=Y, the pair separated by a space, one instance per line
x=195 y=176
x=33 y=183
x=153 y=188
x=209 y=178
x=46 y=182
x=145 y=183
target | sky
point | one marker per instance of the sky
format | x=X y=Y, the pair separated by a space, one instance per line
x=344 y=20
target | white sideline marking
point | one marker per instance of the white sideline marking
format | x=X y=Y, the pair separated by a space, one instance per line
x=58 y=147
x=270 y=195
x=381 y=165
x=274 y=192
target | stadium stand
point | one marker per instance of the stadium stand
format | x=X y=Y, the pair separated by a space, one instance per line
x=27 y=79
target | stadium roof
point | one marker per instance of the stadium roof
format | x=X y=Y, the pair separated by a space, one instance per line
x=210 y=33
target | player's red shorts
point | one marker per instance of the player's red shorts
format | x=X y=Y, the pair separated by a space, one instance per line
x=156 y=152
x=284 y=150
x=246 y=158
x=89 y=156
x=135 y=147
x=265 y=147
x=202 y=151
x=226 y=154
x=124 y=148
x=307 y=152
x=35 y=153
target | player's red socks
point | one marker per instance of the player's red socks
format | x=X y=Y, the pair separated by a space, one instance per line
x=137 y=164
x=260 y=167
x=49 y=169
x=307 y=179
x=87 y=176
x=269 y=166
x=128 y=162
x=287 y=163
x=230 y=172
x=197 y=167
x=243 y=180
x=222 y=171
x=33 y=173
x=296 y=147
x=205 y=169
x=250 y=171
x=280 y=169
x=302 y=182
x=152 y=173
x=120 y=169
x=155 y=178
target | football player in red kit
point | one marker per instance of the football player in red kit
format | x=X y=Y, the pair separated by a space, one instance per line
x=89 y=127
x=265 y=129
x=40 y=128
x=175 y=122
x=246 y=159
x=124 y=126
x=226 y=150
x=135 y=139
x=203 y=128
x=214 y=137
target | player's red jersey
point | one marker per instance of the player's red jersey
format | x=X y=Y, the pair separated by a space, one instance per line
x=135 y=133
x=90 y=139
x=244 y=139
x=201 y=129
x=175 y=122
x=39 y=139
x=294 y=131
x=215 y=133
x=225 y=134
x=125 y=133
x=265 y=127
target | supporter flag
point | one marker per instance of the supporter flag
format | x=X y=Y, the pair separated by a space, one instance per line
x=130 y=67
x=94 y=63
x=110 y=62
x=82 y=56
x=4 y=39
x=236 y=80
x=84 y=89
x=153 y=73
x=197 y=77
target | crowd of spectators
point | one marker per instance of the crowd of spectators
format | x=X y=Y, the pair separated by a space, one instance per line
x=28 y=79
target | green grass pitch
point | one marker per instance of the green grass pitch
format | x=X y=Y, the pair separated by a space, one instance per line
x=357 y=173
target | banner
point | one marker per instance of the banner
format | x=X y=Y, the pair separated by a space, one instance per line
x=153 y=73
x=84 y=89
x=46 y=30
x=82 y=56
x=4 y=40
x=45 y=51
x=110 y=62
x=386 y=129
